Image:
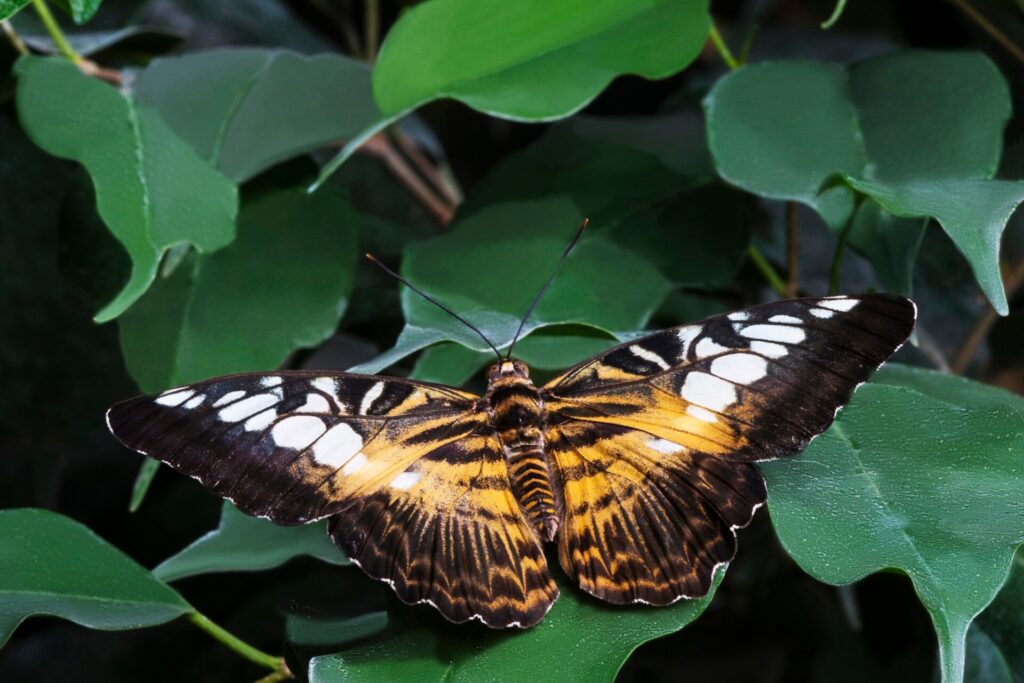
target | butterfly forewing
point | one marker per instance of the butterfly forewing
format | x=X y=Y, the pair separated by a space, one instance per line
x=654 y=437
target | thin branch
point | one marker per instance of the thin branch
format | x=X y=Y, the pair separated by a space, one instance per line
x=723 y=49
x=837 y=258
x=990 y=28
x=56 y=34
x=371 y=29
x=792 y=251
x=423 y=163
x=382 y=148
x=16 y=42
x=275 y=664
x=836 y=13
x=1012 y=282
x=762 y=264
x=91 y=68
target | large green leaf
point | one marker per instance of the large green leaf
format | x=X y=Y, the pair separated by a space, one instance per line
x=489 y=266
x=581 y=639
x=281 y=286
x=896 y=128
x=152 y=190
x=530 y=60
x=246 y=109
x=52 y=565
x=243 y=543
x=8 y=8
x=921 y=473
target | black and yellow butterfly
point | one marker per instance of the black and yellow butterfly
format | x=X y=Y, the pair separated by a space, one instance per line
x=639 y=462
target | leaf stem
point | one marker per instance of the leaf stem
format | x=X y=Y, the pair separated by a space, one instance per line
x=792 y=251
x=837 y=259
x=762 y=264
x=723 y=49
x=990 y=28
x=16 y=42
x=1011 y=283
x=275 y=664
x=56 y=34
x=836 y=13
x=371 y=28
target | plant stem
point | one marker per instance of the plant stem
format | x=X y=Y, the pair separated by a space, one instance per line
x=371 y=29
x=762 y=264
x=723 y=49
x=14 y=38
x=382 y=148
x=1011 y=283
x=837 y=259
x=56 y=34
x=242 y=648
x=836 y=13
x=792 y=251
x=990 y=28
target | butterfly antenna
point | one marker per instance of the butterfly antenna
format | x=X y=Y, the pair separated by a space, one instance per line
x=544 y=287
x=437 y=303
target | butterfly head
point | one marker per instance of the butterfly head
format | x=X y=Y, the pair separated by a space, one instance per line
x=508 y=369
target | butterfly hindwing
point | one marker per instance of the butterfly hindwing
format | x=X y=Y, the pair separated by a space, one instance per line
x=663 y=430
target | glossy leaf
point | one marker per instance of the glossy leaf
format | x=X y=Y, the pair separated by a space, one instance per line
x=283 y=285
x=896 y=128
x=152 y=190
x=581 y=639
x=80 y=11
x=245 y=109
x=243 y=543
x=531 y=60
x=918 y=474
x=52 y=565
x=489 y=266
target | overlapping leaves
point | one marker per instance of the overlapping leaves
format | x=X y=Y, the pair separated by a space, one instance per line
x=896 y=130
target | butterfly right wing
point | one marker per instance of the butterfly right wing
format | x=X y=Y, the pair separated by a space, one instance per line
x=411 y=475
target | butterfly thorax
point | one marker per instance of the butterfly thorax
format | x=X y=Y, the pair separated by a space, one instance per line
x=516 y=411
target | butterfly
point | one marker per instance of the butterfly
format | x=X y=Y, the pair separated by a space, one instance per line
x=639 y=462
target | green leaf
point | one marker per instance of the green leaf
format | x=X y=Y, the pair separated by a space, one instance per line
x=890 y=243
x=895 y=128
x=1003 y=620
x=8 y=8
x=531 y=60
x=80 y=10
x=984 y=662
x=152 y=190
x=52 y=565
x=243 y=543
x=281 y=286
x=246 y=109
x=313 y=632
x=580 y=639
x=518 y=245
x=918 y=474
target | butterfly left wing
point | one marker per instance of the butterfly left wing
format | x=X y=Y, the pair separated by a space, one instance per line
x=655 y=439
x=411 y=475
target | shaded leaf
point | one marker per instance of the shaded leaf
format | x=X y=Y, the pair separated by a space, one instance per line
x=247 y=109
x=984 y=662
x=896 y=128
x=312 y=631
x=80 y=11
x=581 y=639
x=88 y=43
x=152 y=190
x=283 y=285
x=890 y=243
x=243 y=543
x=8 y=8
x=918 y=474
x=489 y=266
x=1003 y=620
x=52 y=565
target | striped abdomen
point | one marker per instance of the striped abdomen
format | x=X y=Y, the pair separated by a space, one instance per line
x=518 y=417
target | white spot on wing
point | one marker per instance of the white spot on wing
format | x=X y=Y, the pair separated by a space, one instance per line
x=768 y=349
x=315 y=403
x=270 y=381
x=708 y=391
x=701 y=414
x=405 y=480
x=741 y=368
x=665 y=446
x=175 y=398
x=649 y=356
x=195 y=401
x=355 y=464
x=337 y=446
x=686 y=336
x=297 y=431
x=785 y=319
x=261 y=420
x=738 y=316
x=776 y=333
x=247 y=407
x=371 y=395
x=228 y=398
x=329 y=387
x=838 y=304
x=709 y=347
x=822 y=313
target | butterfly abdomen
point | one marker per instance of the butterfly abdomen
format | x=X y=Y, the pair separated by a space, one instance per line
x=517 y=414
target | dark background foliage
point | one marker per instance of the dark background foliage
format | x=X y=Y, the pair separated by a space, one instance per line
x=770 y=621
